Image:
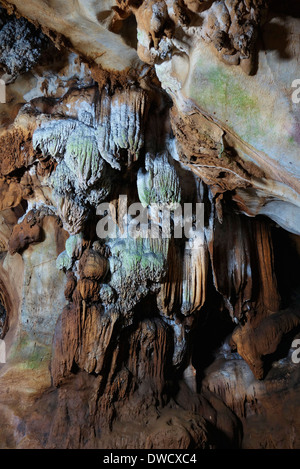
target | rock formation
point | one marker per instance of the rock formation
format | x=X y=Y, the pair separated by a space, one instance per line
x=149 y=224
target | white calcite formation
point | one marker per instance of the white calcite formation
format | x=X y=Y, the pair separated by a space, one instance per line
x=122 y=116
x=121 y=125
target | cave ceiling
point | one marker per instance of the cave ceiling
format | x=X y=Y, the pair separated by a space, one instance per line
x=165 y=341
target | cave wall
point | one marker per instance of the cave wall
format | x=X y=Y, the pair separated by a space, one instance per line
x=166 y=341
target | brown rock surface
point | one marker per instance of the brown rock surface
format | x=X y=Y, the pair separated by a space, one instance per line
x=120 y=109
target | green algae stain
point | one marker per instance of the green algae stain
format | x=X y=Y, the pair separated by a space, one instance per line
x=257 y=113
x=219 y=92
x=29 y=355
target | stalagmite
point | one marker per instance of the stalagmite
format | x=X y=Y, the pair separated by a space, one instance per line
x=149 y=224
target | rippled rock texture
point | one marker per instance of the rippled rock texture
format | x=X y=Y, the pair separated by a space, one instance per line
x=124 y=108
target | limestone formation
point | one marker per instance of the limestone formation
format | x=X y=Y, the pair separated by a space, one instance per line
x=21 y=45
x=121 y=125
x=149 y=224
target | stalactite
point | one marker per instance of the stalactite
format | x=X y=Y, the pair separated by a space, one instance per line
x=149 y=213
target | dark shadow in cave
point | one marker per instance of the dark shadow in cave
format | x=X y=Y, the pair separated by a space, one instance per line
x=286 y=259
x=281 y=353
x=288 y=7
x=214 y=326
x=3 y=317
x=127 y=30
x=274 y=37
